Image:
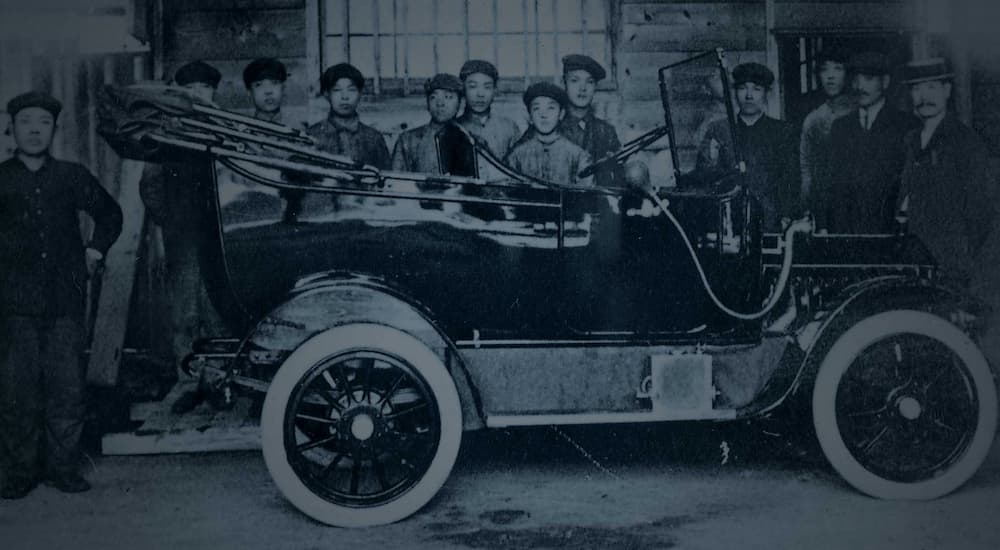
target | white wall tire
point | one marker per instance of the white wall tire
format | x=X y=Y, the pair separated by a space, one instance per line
x=411 y=402
x=940 y=408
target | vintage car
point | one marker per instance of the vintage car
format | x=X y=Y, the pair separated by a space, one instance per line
x=384 y=313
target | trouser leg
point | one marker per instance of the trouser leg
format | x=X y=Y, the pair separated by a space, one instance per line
x=64 y=384
x=20 y=403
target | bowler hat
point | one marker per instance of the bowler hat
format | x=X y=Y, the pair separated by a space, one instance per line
x=198 y=71
x=34 y=98
x=577 y=62
x=922 y=70
x=753 y=72
x=265 y=68
x=341 y=70
x=443 y=81
x=545 y=89
x=478 y=66
x=869 y=63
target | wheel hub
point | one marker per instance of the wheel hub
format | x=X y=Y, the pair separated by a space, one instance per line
x=909 y=408
x=362 y=427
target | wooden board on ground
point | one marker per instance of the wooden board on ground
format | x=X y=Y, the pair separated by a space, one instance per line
x=202 y=429
x=116 y=285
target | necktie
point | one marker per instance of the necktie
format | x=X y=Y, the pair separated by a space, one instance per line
x=864 y=119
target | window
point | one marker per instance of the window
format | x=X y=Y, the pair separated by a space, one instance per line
x=398 y=44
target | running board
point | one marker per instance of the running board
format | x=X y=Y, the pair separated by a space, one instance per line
x=509 y=420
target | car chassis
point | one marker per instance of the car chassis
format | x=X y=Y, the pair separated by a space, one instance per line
x=382 y=314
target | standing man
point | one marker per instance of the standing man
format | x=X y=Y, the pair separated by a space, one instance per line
x=497 y=133
x=174 y=195
x=342 y=132
x=867 y=155
x=814 y=143
x=545 y=153
x=416 y=149
x=948 y=190
x=597 y=137
x=769 y=147
x=265 y=82
x=44 y=271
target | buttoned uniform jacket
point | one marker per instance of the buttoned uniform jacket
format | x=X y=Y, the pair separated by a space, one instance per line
x=952 y=195
x=416 y=150
x=814 y=148
x=557 y=162
x=770 y=149
x=866 y=167
x=353 y=139
x=43 y=270
x=595 y=136
x=497 y=133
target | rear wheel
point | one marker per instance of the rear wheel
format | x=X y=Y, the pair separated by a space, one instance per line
x=361 y=426
x=905 y=406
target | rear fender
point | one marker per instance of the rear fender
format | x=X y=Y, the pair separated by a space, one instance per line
x=321 y=302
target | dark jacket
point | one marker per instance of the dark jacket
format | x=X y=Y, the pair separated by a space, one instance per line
x=866 y=166
x=353 y=139
x=952 y=193
x=597 y=137
x=43 y=272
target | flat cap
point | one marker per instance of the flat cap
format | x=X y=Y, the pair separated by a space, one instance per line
x=198 y=71
x=577 y=62
x=334 y=73
x=753 y=72
x=545 y=89
x=923 y=70
x=479 y=66
x=443 y=81
x=265 y=68
x=869 y=63
x=34 y=99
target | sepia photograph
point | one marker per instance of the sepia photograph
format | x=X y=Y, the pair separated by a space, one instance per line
x=499 y=274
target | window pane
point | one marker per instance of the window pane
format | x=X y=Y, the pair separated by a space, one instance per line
x=481 y=47
x=385 y=18
x=570 y=43
x=421 y=52
x=568 y=15
x=333 y=52
x=512 y=54
x=510 y=15
x=333 y=11
x=388 y=57
x=451 y=53
x=363 y=54
x=421 y=16
x=595 y=11
x=544 y=14
x=451 y=16
x=481 y=15
x=361 y=17
x=546 y=49
x=596 y=48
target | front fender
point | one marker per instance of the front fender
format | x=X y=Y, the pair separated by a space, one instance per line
x=323 y=301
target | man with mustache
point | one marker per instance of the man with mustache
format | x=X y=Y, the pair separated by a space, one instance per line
x=814 y=143
x=866 y=152
x=44 y=267
x=497 y=133
x=768 y=146
x=264 y=79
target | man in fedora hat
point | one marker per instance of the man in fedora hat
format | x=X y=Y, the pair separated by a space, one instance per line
x=44 y=267
x=948 y=193
x=866 y=153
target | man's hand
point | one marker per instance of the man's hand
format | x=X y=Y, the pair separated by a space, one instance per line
x=95 y=259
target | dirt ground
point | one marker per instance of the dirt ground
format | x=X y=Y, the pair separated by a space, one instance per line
x=690 y=487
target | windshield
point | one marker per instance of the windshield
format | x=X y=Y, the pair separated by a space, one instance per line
x=699 y=115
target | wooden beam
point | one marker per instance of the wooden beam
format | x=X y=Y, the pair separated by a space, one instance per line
x=775 y=106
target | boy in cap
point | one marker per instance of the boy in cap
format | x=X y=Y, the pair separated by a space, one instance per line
x=416 y=149
x=44 y=270
x=264 y=79
x=580 y=77
x=814 y=142
x=866 y=155
x=768 y=146
x=545 y=153
x=199 y=78
x=497 y=133
x=342 y=132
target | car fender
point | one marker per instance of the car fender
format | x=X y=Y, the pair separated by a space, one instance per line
x=326 y=300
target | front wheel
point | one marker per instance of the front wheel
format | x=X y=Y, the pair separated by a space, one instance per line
x=905 y=406
x=361 y=426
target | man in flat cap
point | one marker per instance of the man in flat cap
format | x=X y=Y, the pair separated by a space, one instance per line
x=416 y=149
x=597 y=137
x=497 y=133
x=544 y=152
x=342 y=132
x=814 y=141
x=174 y=193
x=866 y=152
x=768 y=146
x=264 y=79
x=44 y=269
